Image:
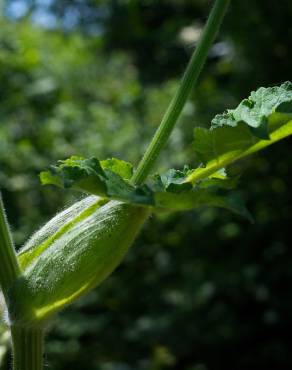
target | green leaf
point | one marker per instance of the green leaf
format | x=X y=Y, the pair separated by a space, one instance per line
x=122 y=168
x=167 y=192
x=78 y=173
x=214 y=192
x=201 y=198
x=261 y=120
x=255 y=110
x=173 y=181
x=103 y=178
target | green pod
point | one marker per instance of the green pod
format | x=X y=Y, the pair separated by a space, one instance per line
x=72 y=254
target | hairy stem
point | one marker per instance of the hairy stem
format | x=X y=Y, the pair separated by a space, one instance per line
x=9 y=269
x=28 y=348
x=188 y=81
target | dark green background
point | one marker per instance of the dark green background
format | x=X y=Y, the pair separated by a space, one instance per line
x=201 y=290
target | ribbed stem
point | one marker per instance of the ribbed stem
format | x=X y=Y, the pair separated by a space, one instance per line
x=188 y=81
x=28 y=348
x=9 y=267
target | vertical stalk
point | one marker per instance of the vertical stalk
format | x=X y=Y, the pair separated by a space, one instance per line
x=28 y=348
x=188 y=81
x=9 y=269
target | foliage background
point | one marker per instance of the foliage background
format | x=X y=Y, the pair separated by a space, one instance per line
x=200 y=290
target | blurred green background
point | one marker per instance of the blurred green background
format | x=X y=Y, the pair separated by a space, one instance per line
x=201 y=290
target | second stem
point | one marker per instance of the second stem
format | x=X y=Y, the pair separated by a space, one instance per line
x=188 y=81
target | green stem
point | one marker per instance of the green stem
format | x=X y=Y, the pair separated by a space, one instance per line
x=9 y=269
x=188 y=81
x=28 y=348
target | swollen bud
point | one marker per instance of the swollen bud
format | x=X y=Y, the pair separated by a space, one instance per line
x=71 y=255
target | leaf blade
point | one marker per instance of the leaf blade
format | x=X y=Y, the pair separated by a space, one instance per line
x=259 y=121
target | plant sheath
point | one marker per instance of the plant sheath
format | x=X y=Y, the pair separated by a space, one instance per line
x=188 y=81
